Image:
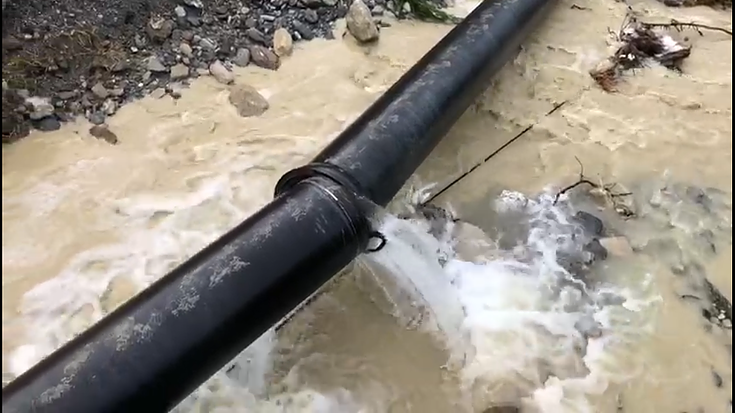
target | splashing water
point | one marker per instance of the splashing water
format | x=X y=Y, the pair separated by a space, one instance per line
x=523 y=328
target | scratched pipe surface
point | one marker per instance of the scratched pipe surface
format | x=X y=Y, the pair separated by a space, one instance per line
x=153 y=351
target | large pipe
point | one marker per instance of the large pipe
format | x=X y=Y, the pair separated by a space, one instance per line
x=158 y=347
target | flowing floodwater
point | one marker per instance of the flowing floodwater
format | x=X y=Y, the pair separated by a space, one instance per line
x=504 y=307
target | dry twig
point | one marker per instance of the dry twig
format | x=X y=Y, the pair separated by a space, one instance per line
x=606 y=190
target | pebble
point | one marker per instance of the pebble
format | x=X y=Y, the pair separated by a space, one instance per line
x=109 y=107
x=360 y=23
x=220 y=72
x=248 y=101
x=185 y=49
x=179 y=71
x=311 y=16
x=589 y=223
x=303 y=30
x=47 y=124
x=158 y=93
x=242 y=57
x=96 y=118
x=159 y=29
x=263 y=57
x=207 y=44
x=180 y=12
x=256 y=35
x=103 y=132
x=100 y=90
x=282 y=42
x=42 y=108
x=154 y=64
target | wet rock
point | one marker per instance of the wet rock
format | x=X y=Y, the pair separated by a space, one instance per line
x=242 y=57
x=47 y=124
x=158 y=29
x=360 y=23
x=179 y=71
x=590 y=223
x=155 y=65
x=248 y=101
x=264 y=58
x=158 y=93
x=68 y=94
x=11 y=44
x=718 y=381
x=256 y=35
x=120 y=66
x=41 y=107
x=109 y=107
x=186 y=50
x=220 y=72
x=282 y=42
x=617 y=246
x=103 y=132
x=310 y=16
x=207 y=44
x=303 y=30
x=378 y=10
x=100 y=90
x=597 y=251
x=96 y=118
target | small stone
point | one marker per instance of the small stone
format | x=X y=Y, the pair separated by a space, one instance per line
x=717 y=379
x=185 y=49
x=248 y=101
x=120 y=66
x=109 y=107
x=179 y=71
x=180 y=12
x=154 y=64
x=103 y=132
x=590 y=223
x=100 y=90
x=220 y=72
x=67 y=94
x=159 y=29
x=360 y=23
x=264 y=57
x=311 y=16
x=207 y=44
x=617 y=246
x=158 y=93
x=256 y=35
x=117 y=92
x=242 y=57
x=96 y=118
x=41 y=107
x=197 y=4
x=47 y=124
x=378 y=10
x=187 y=35
x=282 y=42
x=303 y=30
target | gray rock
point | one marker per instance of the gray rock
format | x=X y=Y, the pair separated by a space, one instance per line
x=67 y=94
x=180 y=12
x=242 y=57
x=159 y=29
x=103 y=132
x=303 y=30
x=282 y=42
x=117 y=92
x=41 y=107
x=207 y=44
x=220 y=72
x=100 y=90
x=154 y=64
x=185 y=49
x=47 y=124
x=158 y=93
x=256 y=35
x=109 y=107
x=311 y=16
x=120 y=66
x=96 y=118
x=248 y=101
x=264 y=57
x=360 y=23
x=197 y=4
x=378 y=10
x=590 y=223
x=179 y=71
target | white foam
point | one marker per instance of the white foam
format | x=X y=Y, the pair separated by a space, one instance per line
x=521 y=316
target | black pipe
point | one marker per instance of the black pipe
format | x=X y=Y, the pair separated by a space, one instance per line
x=158 y=347
x=385 y=145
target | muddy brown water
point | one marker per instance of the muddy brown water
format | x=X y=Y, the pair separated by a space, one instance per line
x=103 y=221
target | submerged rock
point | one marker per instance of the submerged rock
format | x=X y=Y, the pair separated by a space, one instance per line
x=248 y=101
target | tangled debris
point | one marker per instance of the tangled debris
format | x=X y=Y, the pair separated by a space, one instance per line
x=641 y=44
